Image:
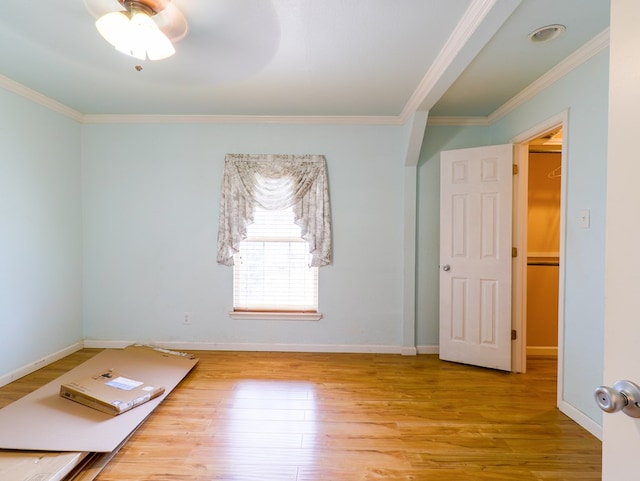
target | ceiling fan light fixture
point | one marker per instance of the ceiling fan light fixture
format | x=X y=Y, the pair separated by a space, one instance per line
x=113 y=27
x=134 y=33
x=157 y=44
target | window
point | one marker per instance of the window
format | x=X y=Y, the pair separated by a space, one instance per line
x=272 y=270
x=275 y=230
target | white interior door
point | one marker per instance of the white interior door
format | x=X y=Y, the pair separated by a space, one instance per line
x=475 y=256
x=621 y=433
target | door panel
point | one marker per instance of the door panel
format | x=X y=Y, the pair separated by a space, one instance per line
x=475 y=256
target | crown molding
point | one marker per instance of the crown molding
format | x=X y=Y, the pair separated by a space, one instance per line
x=47 y=102
x=591 y=48
x=596 y=45
x=38 y=98
x=242 y=119
x=461 y=121
x=472 y=18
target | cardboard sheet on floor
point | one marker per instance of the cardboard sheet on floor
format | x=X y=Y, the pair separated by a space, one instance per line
x=34 y=465
x=45 y=421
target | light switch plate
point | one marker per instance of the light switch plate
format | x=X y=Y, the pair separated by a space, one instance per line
x=585 y=219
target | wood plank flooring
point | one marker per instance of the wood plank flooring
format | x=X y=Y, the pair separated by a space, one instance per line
x=248 y=416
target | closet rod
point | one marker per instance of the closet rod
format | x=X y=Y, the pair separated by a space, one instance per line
x=543 y=263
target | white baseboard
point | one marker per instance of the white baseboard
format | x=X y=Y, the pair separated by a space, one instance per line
x=542 y=351
x=96 y=344
x=215 y=346
x=582 y=419
x=428 y=349
x=38 y=364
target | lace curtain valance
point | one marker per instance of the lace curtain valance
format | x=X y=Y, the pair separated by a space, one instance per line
x=275 y=182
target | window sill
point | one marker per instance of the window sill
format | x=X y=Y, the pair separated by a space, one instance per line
x=276 y=316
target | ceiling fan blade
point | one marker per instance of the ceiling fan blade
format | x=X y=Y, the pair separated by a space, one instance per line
x=98 y=8
x=172 y=22
x=228 y=40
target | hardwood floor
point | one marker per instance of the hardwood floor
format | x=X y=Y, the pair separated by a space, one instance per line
x=247 y=416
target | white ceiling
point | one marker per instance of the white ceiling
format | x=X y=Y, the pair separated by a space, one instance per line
x=375 y=58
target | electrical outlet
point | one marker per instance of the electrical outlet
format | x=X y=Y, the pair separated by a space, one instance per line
x=187 y=318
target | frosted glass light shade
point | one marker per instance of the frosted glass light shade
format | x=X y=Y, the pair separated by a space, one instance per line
x=136 y=35
x=113 y=27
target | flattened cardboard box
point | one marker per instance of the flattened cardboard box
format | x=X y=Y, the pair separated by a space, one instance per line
x=110 y=392
x=45 y=421
x=38 y=466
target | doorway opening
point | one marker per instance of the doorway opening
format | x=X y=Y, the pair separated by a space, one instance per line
x=538 y=271
x=543 y=244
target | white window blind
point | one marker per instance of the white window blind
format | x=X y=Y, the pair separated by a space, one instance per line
x=272 y=269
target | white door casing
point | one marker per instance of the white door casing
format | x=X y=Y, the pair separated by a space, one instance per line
x=475 y=256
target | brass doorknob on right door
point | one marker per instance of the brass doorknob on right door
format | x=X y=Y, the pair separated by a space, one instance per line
x=623 y=396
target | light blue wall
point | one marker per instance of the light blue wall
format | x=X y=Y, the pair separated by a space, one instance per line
x=151 y=196
x=40 y=232
x=584 y=93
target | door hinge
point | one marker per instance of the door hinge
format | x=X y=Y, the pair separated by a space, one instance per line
x=515 y=169
x=514 y=334
x=514 y=252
